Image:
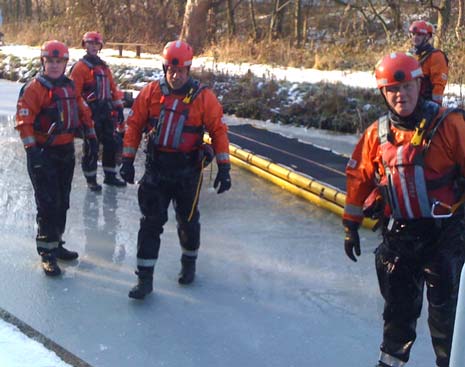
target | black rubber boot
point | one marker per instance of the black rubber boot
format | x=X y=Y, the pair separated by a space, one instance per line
x=50 y=266
x=111 y=180
x=93 y=185
x=144 y=284
x=65 y=254
x=187 y=273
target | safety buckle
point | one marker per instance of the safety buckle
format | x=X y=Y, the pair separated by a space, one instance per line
x=440 y=204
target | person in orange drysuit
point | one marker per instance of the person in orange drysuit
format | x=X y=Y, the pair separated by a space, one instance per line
x=414 y=158
x=175 y=111
x=434 y=62
x=94 y=81
x=49 y=114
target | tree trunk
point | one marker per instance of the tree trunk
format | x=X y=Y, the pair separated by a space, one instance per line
x=28 y=8
x=298 y=23
x=253 y=20
x=231 y=20
x=443 y=22
x=194 y=27
x=460 y=19
x=394 y=6
x=274 y=14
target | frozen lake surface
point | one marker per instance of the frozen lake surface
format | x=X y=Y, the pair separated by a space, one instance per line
x=274 y=287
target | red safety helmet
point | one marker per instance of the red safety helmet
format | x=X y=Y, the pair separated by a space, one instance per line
x=397 y=67
x=421 y=27
x=54 y=49
x=92 y=37
x=177 y=53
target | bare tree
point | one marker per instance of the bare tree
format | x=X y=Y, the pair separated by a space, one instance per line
x=298 y=22
x=194 y=27
x=443 y=9
x=460 y=19
x=394 y=6
x=231 y=20
x=253 y=20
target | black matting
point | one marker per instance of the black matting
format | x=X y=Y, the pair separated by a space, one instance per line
x=323 y=165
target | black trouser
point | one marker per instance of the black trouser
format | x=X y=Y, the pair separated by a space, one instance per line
x=105 y=131
x=415 y=253
x=52 y=188
x=171 y=177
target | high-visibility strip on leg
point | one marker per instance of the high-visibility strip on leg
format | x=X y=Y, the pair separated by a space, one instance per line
x=146 y=262
x=391 y=360
x=47 y=245
x=189 y=253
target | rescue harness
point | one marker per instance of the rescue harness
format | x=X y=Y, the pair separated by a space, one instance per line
x=61 y=116
x=172 y=130
x=411 y=192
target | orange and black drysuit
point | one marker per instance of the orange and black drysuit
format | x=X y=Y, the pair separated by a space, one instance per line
x=435 y=67
x=175 y=122
x=94 y=82
x=417 y=166
x=49 y=115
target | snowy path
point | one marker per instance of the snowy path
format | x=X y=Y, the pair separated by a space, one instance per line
x=274 y=287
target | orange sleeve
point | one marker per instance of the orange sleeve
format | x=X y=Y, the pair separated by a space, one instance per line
x=147 y=100
x=360 y=172
x=213 y=121
x=451 y=136
x=29 y=105
x=116 y=93
x=438 y=73
x=79 y=74
x=85 y=116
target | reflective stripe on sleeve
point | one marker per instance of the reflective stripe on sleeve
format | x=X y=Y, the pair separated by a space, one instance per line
x=353 y=210
x=222 y=157
x=129 y=151
x=29 y=140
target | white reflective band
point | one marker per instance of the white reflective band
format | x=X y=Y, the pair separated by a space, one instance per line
x=109 y=169
x=444 y=76
x=23 y=112
x=390 y=360
x=189 y=253
x=90 y=173
x=29 y=140
x=353 y=210
x=352 y=163
x=129 y=150
x=146 y=262
x=222 y=157
x=170 y=121
x=416 y=73
x=47 y=245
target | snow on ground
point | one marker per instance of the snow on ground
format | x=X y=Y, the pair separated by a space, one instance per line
x=361 y=79
x=18 y=350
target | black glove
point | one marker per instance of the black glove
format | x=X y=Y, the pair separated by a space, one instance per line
x=351 y=240
x=120 y=118
x=127 y=171
x=223 y=179
x=34 y=157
